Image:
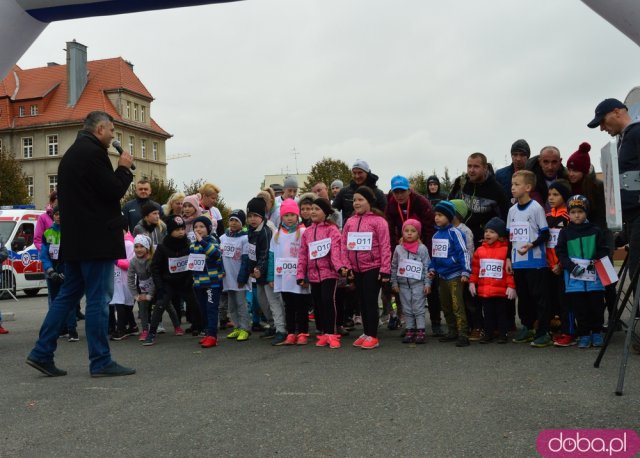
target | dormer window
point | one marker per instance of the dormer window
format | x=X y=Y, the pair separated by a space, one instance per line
x=34 y=110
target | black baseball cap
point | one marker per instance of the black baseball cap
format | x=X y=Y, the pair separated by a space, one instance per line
x=604 y=107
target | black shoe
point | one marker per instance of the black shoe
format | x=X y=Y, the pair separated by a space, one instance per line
x=79 y=316
x=268 y=333
x=394 y=323
x=73 y=335
x=195 y=332
x=349 y=325
x=462 y=341
x=113 y=369
x=342 y=331
x=486 y=339
x=257 y=327
x=119 y=335
x=448 y=338
x=436 y=330
x=132 y=331
x=224 y=323
x=48 y=369
x=64 y=333
x=502 y=339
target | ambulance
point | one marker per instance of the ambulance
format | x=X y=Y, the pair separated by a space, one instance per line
x=22 y=271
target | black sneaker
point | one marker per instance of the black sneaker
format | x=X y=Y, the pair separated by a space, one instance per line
x=463 y=341
x=349 y=325
x=257 y=327
x=64 y=333
x=48 y=369
x=268 y=333
x=485 y=339
x=73 y=335
x=436 y=330
x=502 y=339
x=448 y=338
x=113 y=369
x=132 y=331
x=119 y=335
x=279 y=338
x=79 y=316
x=343 y=331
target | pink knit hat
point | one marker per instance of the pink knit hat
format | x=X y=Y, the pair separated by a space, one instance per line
x=289 y=206
x=193 y=200
x=415 y=223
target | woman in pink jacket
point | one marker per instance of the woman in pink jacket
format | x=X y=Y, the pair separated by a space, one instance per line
x=367 y=256
x=319 y=260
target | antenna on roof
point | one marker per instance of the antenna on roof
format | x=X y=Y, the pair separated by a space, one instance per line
x=295 y=158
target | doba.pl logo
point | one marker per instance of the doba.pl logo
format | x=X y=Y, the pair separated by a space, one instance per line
x=587 y=443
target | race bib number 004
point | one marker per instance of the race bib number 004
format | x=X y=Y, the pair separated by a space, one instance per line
x=410 y=268
x=319 y=248
x=286 y=266
x=359 y=241
x=440 y=248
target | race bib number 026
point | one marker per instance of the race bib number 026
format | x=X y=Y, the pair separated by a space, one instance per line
x=491 y=268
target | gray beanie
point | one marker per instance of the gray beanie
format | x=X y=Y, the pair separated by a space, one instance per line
x=290 y=182
x=362 y=165
x=337 y=184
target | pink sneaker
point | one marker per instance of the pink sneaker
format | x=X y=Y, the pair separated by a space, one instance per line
x=179 y=331
x=323 y=340
x=370 y=343
x=143 y=335
x=359 y=341
x=334 y=341
x=290 y=340
x=303 y=339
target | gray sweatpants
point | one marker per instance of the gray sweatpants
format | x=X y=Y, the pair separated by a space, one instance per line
x=238 y=310
x=272 y=304
x=413 y=304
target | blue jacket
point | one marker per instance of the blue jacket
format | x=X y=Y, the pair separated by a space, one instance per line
x=503 y=177
x=457 y=263
x=211 y=276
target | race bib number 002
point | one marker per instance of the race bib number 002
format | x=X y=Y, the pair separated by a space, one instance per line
x=410 y=268
x=359 y=241
x=319 y=248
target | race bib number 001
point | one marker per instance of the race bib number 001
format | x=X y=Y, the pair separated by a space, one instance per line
x=491 y=268
x=410 y=268
x=196 y=262
x=319 y=248
x=359 y=241
x=177 y=265
x=286 y=266
x=519 y=232
x=440 y=248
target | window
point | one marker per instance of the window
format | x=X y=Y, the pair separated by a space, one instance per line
x=155 y=151
x=0 y=145
x=143 y=149
x=52 y=145
x=135 y=111
x=128 y=112
x=27 y=147
x=143 y=114
x=21 y=112
x=30 y=186
x=119 y=137
x=131 y=145
x=34 y=110
x=53 y=183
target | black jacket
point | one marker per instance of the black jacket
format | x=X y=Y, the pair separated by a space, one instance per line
x=164 y=280
x=344 y=199
x=132 y=210
x=89 y=193
x=261 y=238
x=541 y=184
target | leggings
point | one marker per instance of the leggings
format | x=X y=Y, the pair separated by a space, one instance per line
x=367 y=291
x=324 y=298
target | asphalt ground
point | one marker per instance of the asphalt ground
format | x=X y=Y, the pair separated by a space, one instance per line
x=252 y=399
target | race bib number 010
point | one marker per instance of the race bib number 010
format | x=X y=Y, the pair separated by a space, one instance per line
x=440 y=248
x=491 y=268
x=359 y=241
x=410 y=268
x=319 y=248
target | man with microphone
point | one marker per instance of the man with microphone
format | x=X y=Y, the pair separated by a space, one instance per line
x=89 y=193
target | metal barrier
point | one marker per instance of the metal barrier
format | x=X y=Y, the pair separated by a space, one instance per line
x=7 y=284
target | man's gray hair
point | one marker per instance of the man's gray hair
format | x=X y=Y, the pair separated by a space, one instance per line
x=94 y=118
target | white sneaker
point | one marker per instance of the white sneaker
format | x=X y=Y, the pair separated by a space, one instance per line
x=161 y=329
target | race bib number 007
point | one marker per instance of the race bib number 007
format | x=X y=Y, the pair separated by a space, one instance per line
x=196 y=262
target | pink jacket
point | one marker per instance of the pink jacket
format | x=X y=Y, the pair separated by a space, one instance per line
x=124 y=263
x=44 y=222
x=327 y=266
x=380 y=254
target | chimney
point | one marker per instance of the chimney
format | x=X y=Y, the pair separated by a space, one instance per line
x=76 y=71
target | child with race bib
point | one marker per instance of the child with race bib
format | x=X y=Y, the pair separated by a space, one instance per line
x=207 y=269
x=281 y=273
x=172 y=278
x=122 y=300
x=140 y=282
x=450 y=261
x=367 y=258
x=490 y=281
x=409 y=279
x=235 y=259
x=319 y=261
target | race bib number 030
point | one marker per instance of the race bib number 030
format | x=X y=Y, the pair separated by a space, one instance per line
x=519 y=232
x=359 y=241
x=229 y=249
x=319 y=248
x=491 y=268
x=286 y=266
x=410 y=268
x=177 y=265
x=440 y=248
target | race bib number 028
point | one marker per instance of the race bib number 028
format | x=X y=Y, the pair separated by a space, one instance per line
x=359 y=241
x=440 y=248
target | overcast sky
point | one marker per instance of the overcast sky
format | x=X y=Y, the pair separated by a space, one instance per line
x=407 y=85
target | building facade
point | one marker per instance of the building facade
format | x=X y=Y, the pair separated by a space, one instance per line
x=42 y=110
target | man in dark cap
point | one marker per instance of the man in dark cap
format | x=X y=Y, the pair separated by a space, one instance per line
x=520 y=153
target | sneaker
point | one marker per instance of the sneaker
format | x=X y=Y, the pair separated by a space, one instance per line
x=357 y=320
x=290 y=340
x=322 y=340
x=597 y=339
x=584 y=341
x=119 y=335
x=409 y=337
x=279 y=339
x=161 y=329
x=394 y=322
x=257 y=327
x=476 y=334
x=3 y=330
x=65 y=333
x=436 y=330
x=524 y=335
x=349 y=324
x=370 y=343
x=502 y=339
x=48 y=369
x=448 y=338
x=132 y=331
x=421 y=337
x=178 y=331
x=209 y=342
x=268 y=333
x=234 y=334
x=224 y=324
x=485 y=339
x=143 y=335
x=542 y=341
x=564 y=340
x=195 y=332
x=359 y=341
x=243 y=335
x=342 y=331
x=463 y=341
x=73 y=335
x=202 y=339
x=334 y=341
x=113 y=369
x=149 y=340
x=302 y=339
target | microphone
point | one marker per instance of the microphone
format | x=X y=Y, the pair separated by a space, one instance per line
x=116 y=144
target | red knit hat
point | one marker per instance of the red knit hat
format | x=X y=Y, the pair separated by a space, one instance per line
x=580 y=160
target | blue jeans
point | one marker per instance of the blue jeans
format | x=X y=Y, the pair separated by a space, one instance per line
x=209 y=300
x=95 y=280
x=71 y=321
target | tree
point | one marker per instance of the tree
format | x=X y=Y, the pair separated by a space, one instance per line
x=13 y=182
x=194 y=187
x=418 y=183
x=327 y=170
x=445 y=183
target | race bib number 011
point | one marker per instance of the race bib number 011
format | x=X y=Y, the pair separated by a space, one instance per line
x=196 y=262
x=319 y=248
x=410 y=268
x=440 y=248
x=286 y=266
x=359 y=241
x=177 y=265
x=491 y=268
x=519 y=232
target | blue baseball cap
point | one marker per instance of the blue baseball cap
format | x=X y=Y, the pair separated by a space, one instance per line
x=399 y=182
x=604 y=107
